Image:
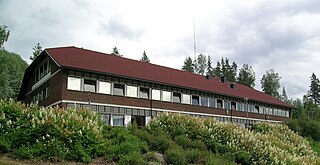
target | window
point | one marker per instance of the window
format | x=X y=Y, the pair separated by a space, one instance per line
x=204 y=101
x=186 y=99
x=227 y=104
x=74 y=83
x=219 y=103
x=139 y=120
x=287 y=113
x=195 y=100
x=177 y=97
x=144 y=93
x=118 y=89
x=233 y=105
x=118 y=120
x=89 y=85
x=155 y=94
x=166 y=96
x=106 y=118
x=104 y=87
x=132 y=91
x=261 y=111
x=256 y=109
x=212 y=102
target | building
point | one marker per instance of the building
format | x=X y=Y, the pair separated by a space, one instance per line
x=125 y=90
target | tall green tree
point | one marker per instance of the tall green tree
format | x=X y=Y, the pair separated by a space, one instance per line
x=188 y=65
x=284 y=96
x=12 y=69
x=4 y=35
x=37 y=49
x=209 y=67
x=201 y=64
x=270 y=83
x=314 y=92
x=217 y=70
x=115 y=51
x=246 y=76
x=144 y=57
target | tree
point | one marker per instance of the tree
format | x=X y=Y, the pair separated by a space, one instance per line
x=284 y=96
x=144 y=57
x=37 y=49
x=246 y=76
x=201 y=64
x=12 y=69
x=217 y=70
x=115 y=51
x=188 y=65
x=270 y=83
x=314 y=92
x=209 y=67
x=4 y=35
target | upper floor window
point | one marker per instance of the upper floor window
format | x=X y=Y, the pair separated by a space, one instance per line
x=104 y=87
x=186 y=98
x=227 y=104
x=144 y=93
x=195 y=100
x=132 y=91
x=89 y=85
x=74 y=83
x=118 y=89
x=233 y=105
x=212 y=102
x=177 y=97
x=166 y=96
x=156 y=94
x=256 y=109
x=219 y=103
x=204 y=101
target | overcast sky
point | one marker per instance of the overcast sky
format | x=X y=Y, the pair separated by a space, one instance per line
x=279 y=34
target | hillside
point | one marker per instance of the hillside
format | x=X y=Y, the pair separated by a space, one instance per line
x=57 y=135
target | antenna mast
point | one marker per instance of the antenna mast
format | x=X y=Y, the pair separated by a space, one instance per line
x=194 y=41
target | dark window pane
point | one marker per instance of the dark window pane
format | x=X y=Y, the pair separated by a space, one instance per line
x=219 y=103
x=233 y=105
x=144 y=93
x=89 y=85
x=195 y=100
x=177 y=97
x=118 y=89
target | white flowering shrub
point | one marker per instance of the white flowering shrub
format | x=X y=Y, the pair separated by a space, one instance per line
x=266 y=143
x=40 y=130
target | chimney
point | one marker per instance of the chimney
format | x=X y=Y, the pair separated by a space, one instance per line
x=233 y=85
x=223 y=79
x=208 y=77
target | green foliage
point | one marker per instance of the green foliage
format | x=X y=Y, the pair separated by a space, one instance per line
x=12 y=69
x=200 y=64
x=270 y=83
x=115 y=52
x=144 y=57
x=314 y=92
x=188 y=65
x=4 y=35
x=306 y=128
x=246 y=76
x=266 y=143
x=175 y=156
x=37 y=49
x=51 y=134
x=225 y=68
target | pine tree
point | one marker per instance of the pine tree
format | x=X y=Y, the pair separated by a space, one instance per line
x=37 y=49
x=115 y=51
x=188 y=65
x=144 y=57
x=284 y=96
x=209 y=67
x=246 y=76
x=270 y=83
x=314 y=92
x=217 y=70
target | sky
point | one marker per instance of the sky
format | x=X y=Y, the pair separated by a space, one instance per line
x=266 y=34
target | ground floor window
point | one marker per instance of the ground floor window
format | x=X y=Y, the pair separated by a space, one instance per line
x=118 y=120
x=139 y=120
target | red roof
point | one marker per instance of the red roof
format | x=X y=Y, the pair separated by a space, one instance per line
x=79 y=58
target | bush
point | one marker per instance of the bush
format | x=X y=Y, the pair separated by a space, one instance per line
x=175 y=156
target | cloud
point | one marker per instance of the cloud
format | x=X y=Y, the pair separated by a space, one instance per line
x=117 y=28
